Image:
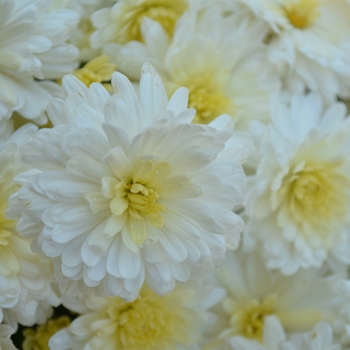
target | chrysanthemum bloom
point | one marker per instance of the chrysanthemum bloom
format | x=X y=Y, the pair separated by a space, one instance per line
x=320 y=338
x=173 y=321
x=298 y=203
x=33 y=45
x=308 y=43
x=224 y=69
x=127 y=189
x=38 y=339
x=5 y=333
x=121 y=23
x=298 y=302
x=25 y=293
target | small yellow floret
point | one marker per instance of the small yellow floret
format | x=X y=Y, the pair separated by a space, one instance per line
x=39 y=339
x=98 y=70
x=301 y=13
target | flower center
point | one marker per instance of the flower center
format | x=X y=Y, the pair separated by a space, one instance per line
x=138 y=200
x=301 y=13
x=163 y=11
x=208 y=99
x=135 y=198
x=247 y=320
x=150 y=322
x=316 y=195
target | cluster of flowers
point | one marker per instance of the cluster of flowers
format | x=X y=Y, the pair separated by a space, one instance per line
x=175 y=173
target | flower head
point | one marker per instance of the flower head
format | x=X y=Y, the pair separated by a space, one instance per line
x=307 y=43
x=135 y=191
x=150 y=322
x=223 y=73
x=25 y=289
x=262 y=306
x=299 y=201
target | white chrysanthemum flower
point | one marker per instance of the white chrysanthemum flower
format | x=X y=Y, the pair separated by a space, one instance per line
x=224 y=73
x=172 y=321
x=308 y=43
x=5 y=333
x=298 y=202
x=321 y=338
x=24 y=289
x=32 y=45
x=254 y=293
x=127 y=189
x=121 y=23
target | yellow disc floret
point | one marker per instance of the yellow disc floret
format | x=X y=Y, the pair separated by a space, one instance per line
x=301 y=13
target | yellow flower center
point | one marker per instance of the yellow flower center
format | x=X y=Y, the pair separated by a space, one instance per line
x=39 y=339
x=315 y=195
x=139 y=200
x=166 y=12
x=98 y=70
x=206 y=96
x=248 y=319
x=301 y=13
x=151 y=321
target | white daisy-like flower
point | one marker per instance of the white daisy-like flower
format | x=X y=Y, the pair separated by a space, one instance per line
x=5 y=333
x=224 y=73
x=172 y=321
x=320 y=338
x=25 y=291
x=308 y=43
x=298 y=202
x=127 y=189
x=33 y=45
x=121 y=23
x=298 y=302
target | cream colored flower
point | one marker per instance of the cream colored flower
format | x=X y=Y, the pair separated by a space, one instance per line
x=225 y=74
x=298 y=204
x=129 y=189
x=308 y=43
x=255 y=294
x=25 y=291
x=172 y=321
